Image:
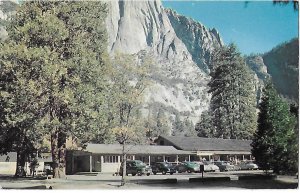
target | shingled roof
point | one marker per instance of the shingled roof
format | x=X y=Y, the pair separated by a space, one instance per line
x=207 y=144
x=134 y=149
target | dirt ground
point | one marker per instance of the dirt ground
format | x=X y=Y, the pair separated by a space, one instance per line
x=108 y=181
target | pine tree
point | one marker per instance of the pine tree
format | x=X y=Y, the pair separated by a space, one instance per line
x=177 y=126
x=162 y=124
x=53 y=72
x=274 y=141
x=232 y=106
x=204 y=126
x=189 y=128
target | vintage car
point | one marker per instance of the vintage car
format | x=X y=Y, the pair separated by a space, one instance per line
x=134 y=167
x=188 y=167
x=248 y=165
x=224 y=166
x=163 y=167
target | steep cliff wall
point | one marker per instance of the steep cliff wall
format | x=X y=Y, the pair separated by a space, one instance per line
x=283 y=65
x=200 y=41
x=179 y=85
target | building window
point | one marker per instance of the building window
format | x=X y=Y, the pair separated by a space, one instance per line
x=129 y=157
x=110 y=159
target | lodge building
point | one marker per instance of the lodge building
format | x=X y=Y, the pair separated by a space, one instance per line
x=107 y=158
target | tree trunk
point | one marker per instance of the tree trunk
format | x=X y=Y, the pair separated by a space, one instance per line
x=20 y=169
x=62 y=154
x=54 y=152
x=124 y=165
x=58 y=147
x=21 y=157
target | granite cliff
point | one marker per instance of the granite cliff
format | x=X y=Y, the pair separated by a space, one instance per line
x=180 y=49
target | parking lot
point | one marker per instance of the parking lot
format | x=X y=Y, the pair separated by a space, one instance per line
x=214 y=180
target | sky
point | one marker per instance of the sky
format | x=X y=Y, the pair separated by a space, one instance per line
x=255 y=27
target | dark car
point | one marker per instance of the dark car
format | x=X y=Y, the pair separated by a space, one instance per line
x=224 y=166
x=163 y=167
x=188 y=167
x=134 y=167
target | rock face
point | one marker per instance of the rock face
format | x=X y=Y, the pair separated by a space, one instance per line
x=283 y=65
x=179 y=85
x=7 y=8
x=256 y=64
x=199 y=40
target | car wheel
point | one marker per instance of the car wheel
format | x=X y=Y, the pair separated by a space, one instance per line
x=189 y=171
x=133 y=174
x=171 y=173
x=148 y=174
x=164 y=173
x=154 y=173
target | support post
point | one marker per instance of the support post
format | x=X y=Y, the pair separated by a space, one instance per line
x=164 y=158
x=176 y=159
x=91 y=164
x=189 y=158
x=101 y=161
x=149 y=161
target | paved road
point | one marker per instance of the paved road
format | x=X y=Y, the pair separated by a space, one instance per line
x=108 y=181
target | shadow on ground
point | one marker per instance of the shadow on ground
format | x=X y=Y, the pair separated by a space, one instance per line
x=244 y=184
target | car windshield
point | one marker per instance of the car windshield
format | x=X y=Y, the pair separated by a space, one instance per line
x=140 y=163
x=192 y=163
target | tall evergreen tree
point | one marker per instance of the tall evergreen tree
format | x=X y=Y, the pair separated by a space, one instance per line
x=232 y=106
x=177 y=126
x=204 y=126
x=274 y=141
x=162 y=123
x=53 y=71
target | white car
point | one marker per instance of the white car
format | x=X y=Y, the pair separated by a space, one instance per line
x=248 y=165
x=208 y=166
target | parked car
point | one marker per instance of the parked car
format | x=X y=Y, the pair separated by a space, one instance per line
x=134 y=167
x=248 y=165
x=210 y=167
x=163 y=167
x=224 y=166
x=188 y=167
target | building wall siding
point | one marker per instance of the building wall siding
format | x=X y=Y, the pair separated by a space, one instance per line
x=8 y=168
